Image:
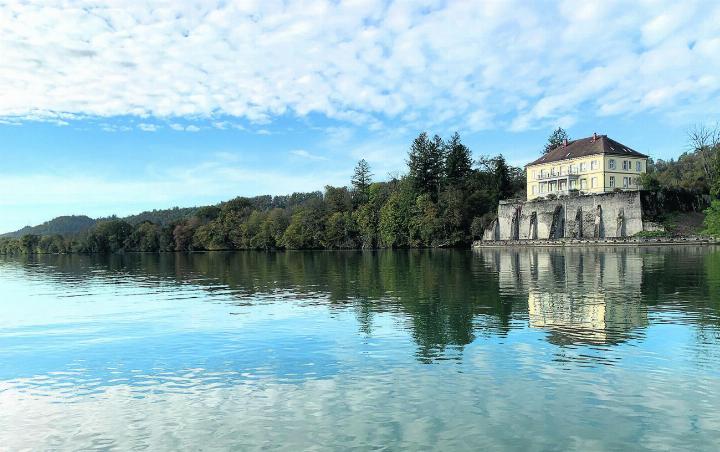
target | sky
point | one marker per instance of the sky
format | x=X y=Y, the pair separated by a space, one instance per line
x=120 y=106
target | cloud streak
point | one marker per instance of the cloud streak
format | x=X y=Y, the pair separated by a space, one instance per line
x=514 y=65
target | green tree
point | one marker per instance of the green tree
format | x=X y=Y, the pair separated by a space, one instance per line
x=29 y=243
x=557 y=138
x=338 y=199
x=424 y=224
x=340 y=231
x=306 y=229
x=425 y=164
x=395 y=217
x=712 y=219
x=361 y=181
x=145 y=238
x=458 y=162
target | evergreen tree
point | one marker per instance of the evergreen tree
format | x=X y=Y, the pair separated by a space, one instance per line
x=556 y=139
x=425 y=162
x=458 y=162
x=361 y=180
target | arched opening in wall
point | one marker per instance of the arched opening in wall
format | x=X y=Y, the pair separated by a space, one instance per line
x=515 y=224
x=532 y=233
x=578 y=227
x=557 y=228
x=599 y=227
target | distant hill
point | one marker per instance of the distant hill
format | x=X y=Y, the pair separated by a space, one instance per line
x=65 y=225
x=75 y=224
x=161 y=216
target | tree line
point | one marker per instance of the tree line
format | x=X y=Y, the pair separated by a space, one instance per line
x=445 y=199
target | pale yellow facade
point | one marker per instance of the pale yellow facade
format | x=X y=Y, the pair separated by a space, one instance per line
x=597 y=173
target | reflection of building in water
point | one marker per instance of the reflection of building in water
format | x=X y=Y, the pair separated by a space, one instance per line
x=580 y=295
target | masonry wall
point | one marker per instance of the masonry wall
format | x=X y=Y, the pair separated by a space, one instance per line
x=619 y=215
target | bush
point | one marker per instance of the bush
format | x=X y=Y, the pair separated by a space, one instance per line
x=651 y=234
x=712 y=219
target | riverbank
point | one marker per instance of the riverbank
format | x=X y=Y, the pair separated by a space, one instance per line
x=627 y=241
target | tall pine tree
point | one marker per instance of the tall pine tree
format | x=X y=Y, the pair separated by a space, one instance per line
x=425 y=161
x=361 y=180
x=556 y=139
x=458 y=162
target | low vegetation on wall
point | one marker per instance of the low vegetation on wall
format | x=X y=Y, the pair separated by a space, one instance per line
x=443 y=200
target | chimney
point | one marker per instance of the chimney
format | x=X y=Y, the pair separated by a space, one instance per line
x=594 y=137
x=565 y=143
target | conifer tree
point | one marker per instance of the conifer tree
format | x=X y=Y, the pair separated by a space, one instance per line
x=361 y=181
x=458 y=162
x=556 y=139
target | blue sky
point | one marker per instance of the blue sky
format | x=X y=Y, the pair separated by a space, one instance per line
x=121 y=108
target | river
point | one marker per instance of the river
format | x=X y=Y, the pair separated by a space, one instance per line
x=530 y=349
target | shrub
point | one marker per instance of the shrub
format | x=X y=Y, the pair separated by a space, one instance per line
x=651 y=234
x=712 y=219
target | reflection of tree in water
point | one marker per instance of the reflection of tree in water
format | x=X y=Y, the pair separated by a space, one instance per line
x=445 y=298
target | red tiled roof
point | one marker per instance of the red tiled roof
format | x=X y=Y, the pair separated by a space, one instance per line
x=587 y=146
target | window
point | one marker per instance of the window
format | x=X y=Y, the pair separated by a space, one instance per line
x=583 y=184
x=638 y=166
x=582 y=167
x=593 y=182
x=594 y=164
x=573 y=169
x=534 y=189
x=542 y=188
x=612 y=181
x=626 y=182
x=625 y=165
x=611 y=164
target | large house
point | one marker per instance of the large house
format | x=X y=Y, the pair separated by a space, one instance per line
x=596 y=164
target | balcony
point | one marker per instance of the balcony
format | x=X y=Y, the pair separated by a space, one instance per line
x=568 y=173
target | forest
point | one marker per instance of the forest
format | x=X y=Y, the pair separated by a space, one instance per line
x=445 y=199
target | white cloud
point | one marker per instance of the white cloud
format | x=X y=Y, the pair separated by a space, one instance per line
x=147 y=127
x=182 y=128
x=515 y=64
x=115 y=127
x=306 y=155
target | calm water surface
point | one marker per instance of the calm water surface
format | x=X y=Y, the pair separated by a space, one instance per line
x=592 y=349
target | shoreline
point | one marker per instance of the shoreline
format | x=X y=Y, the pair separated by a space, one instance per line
x=630 y=241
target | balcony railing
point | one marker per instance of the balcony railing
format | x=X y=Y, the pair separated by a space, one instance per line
x=557 y=174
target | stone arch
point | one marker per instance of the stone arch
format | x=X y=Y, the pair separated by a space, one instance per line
x=557 y=228
x=598 y=230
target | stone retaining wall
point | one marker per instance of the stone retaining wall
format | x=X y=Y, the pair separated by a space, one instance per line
x=598 y=216
x=600 y=242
